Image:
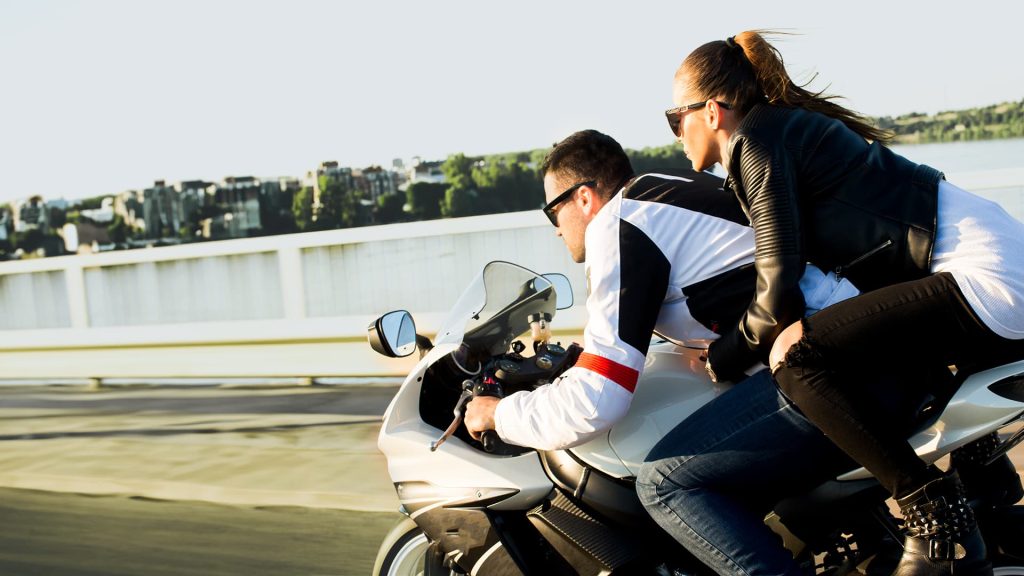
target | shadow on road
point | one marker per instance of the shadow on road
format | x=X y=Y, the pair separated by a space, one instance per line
x=179 y=431
x=71 y=534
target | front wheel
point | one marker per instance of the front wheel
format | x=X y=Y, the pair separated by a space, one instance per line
x=403 y=552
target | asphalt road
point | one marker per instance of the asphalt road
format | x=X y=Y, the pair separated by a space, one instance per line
x=367 y=401
x=246 y=432
x=220 y=437
x=56 y=534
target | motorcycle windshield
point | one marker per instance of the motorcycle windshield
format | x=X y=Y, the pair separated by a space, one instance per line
x=497 y=306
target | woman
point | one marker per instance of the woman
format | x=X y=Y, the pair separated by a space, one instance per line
x=942 y=271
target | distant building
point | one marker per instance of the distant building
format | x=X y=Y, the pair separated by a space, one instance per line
x=57 y=204
x=276 y=198
x=31 y=214
x=57 y=212
x=196 y=196
x=271 y=187
x=421 y=171
x=162 y=211
x=333 y=172
x=102 y=215
x=291 y=185
x=128 y=205
x=375 y=182
x=238 y=200
x=5 y=221
x=86 y=238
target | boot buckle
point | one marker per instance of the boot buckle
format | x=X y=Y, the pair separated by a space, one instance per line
x=945 y=550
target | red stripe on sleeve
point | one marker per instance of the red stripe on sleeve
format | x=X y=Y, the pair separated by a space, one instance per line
x=622 y=375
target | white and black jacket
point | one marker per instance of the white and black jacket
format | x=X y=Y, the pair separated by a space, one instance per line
x=667 y=254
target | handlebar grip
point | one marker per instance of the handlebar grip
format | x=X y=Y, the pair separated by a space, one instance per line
x=490 y=440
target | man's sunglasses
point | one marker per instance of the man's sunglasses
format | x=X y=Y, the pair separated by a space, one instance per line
x=550 y=211
x=675 y=115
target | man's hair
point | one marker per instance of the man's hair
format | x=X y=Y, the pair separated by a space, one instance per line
x=589 y=155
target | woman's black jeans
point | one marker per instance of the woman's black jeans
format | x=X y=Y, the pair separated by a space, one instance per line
x=910 y=330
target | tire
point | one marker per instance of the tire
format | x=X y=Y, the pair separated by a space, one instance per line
x=1008 y=530
x=403 y=551
x=1007 y=568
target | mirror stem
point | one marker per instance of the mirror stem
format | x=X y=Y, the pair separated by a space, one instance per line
x=424 y=344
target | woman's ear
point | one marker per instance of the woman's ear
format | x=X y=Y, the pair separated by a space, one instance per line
x=720 y=118
x=713 y=113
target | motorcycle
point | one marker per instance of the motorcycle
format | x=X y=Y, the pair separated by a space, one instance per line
x=491 y=508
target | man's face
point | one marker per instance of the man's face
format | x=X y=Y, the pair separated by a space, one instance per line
x=571 y=225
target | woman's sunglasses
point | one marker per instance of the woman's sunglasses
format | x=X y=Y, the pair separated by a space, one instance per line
x=675 y=115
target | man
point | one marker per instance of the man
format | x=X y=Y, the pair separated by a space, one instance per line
x=671 y=254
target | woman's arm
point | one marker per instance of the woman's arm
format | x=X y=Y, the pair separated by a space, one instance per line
x=766 y=184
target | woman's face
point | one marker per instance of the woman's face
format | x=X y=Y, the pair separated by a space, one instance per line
x=695 y=133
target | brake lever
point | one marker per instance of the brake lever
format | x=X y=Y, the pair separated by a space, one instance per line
x=467 y=394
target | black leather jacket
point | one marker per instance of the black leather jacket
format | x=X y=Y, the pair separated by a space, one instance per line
x=817 y=192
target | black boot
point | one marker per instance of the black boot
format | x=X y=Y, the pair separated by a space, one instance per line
x=942 y=535
x=992 y=490
x=987 y=486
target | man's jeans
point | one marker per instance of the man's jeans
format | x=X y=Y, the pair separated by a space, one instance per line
x=711 y=481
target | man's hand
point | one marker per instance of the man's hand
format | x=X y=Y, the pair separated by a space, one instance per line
x=480 y=415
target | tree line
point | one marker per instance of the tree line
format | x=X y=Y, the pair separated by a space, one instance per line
x=509 y=182
x=1004 y=120
x=491 y=184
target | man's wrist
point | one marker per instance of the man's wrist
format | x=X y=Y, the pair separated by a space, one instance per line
x=498 y=410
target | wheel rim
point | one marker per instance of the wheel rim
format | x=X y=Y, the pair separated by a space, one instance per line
x=408 y=560
x=1008 y=571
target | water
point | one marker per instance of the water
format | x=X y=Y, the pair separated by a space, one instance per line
x=977 y=156
x=992 y=169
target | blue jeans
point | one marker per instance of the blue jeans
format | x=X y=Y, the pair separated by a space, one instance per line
x=711 y=481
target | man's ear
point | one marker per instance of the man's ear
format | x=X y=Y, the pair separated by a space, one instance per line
x=590 y=201
x=585 y=196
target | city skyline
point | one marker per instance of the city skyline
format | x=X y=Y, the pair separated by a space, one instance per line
x=306 y=178
x=109 y=96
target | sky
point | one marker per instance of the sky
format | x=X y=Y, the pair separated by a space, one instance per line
x=102 y=96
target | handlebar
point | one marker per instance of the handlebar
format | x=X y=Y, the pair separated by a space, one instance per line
x=490 y=440
x=486 y=386
x=549 y=361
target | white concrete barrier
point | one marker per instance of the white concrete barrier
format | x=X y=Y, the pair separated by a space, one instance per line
x=281 y=306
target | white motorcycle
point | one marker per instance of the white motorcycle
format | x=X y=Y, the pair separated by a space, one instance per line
x=491 y=508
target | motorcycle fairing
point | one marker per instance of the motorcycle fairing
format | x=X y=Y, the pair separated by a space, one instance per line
x=972 y=412
x=405 y=439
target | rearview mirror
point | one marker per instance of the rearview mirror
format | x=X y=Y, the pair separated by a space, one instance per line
x=393 y=334
x=563 y=290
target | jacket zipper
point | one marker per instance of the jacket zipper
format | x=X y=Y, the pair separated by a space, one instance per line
x=861 y=258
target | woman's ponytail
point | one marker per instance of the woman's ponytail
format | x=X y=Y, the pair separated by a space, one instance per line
x=745 y=70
